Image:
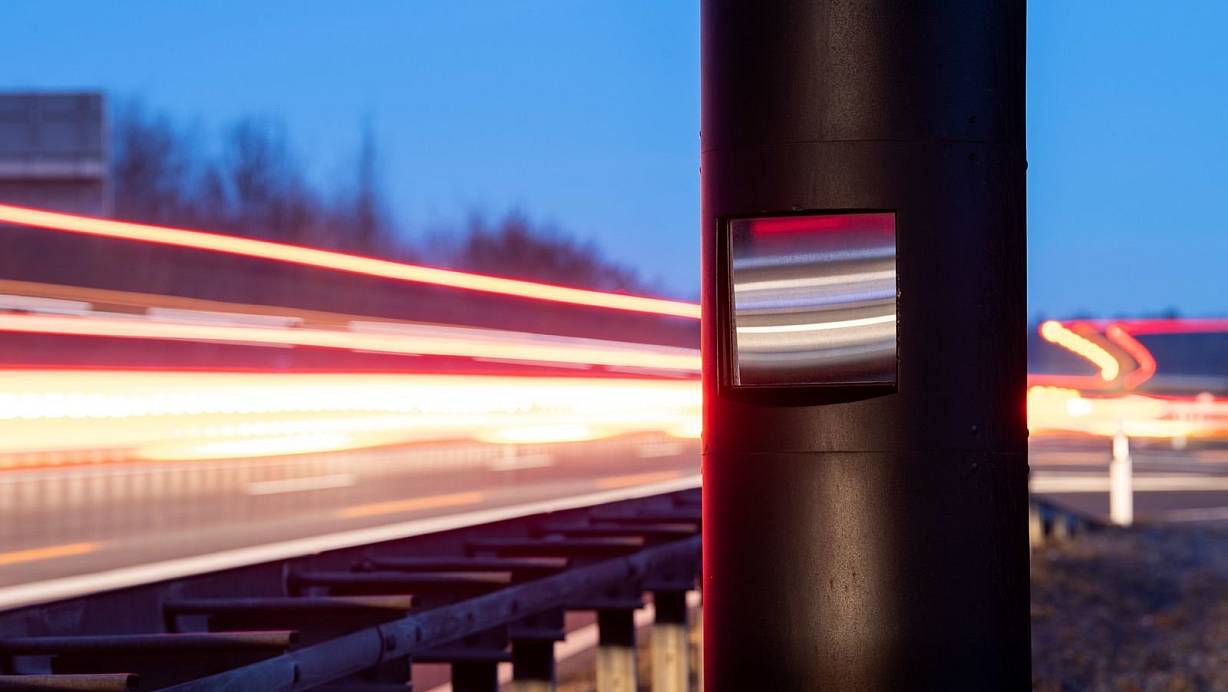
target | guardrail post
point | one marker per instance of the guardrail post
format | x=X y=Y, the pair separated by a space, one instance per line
x=475 y=676
x=1121 y=490
x=1036 y=527
x=863 y=217
x=533 y=668
x=616 y=671
x=533 y=664
x=670 y=655
x=1060 y=529
x=698 y=660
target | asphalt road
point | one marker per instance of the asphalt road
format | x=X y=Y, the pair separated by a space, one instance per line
x=1170 y=485
x=146 y=520
x=80 y=523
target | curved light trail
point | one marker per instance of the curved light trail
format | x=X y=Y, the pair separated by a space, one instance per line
x=1141 y=355
x=1063 y=402
x=1058 y=333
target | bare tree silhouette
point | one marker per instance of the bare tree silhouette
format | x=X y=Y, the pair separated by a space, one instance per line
x=514 y=246
x=253 y=184
x=153 y=167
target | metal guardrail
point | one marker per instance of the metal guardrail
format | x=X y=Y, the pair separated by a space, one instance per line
x=1049 y=522
x=356 y=619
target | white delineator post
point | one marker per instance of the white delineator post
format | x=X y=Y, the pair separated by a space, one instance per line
x=1121 y=491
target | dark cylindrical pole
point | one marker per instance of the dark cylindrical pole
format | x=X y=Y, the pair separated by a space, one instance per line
x=871 y=538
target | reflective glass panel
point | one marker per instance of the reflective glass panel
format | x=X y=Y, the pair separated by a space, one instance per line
x=814 y=299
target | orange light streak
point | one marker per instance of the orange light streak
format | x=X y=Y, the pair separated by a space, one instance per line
x=1064 y=409
x=50 y=416
x=47 y=553
x=1089 y=382
x=1057 y=333
x=612 y=354
x=339 y=261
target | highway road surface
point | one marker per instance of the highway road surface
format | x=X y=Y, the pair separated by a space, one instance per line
x=91 y=527
x=1183 y=485
x=68 y=530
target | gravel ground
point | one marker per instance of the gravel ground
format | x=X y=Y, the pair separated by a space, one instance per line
x=1115 y=610
x=1139 y=609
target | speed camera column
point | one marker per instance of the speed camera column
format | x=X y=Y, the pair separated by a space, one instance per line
x=865 y=458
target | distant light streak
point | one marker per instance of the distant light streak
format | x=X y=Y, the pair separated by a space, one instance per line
x=1084 y=382
x=1176 y=325
x=1065 y=409
x=1078 y=407
x=44 y=305
x=1137 y=351
x=1057 y=333
x=46 y=553
x=338 y=261
x=614 y=354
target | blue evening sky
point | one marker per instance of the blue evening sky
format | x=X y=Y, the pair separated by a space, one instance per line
x=585 y=114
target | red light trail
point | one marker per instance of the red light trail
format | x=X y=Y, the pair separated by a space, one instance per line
x=405 y=342
x=861 y=223
x=1146 y=362
x=1184 y=325
x=339 y=261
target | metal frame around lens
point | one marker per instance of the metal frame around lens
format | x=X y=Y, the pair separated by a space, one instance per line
x=727 y=349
